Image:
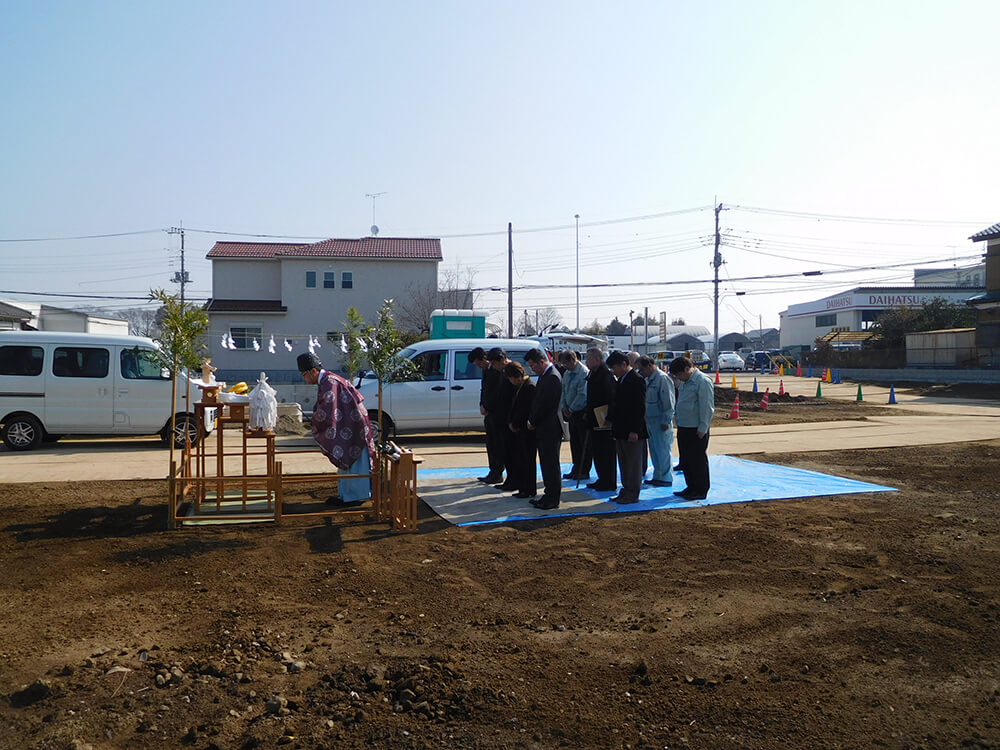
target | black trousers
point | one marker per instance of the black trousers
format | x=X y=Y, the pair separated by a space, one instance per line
x=694 y=457
x=548 y=438
x=579 y=444
x=495 y=442
x=521 y=467
x=605 y=461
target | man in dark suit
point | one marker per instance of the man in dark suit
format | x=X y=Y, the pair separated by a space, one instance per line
x=628 y=426
x=544 y=420
x=494 y=422
x=600 y=394
x=497 y=358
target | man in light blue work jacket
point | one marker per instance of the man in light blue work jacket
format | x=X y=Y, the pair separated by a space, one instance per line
x=659 y=420
x=574 y=411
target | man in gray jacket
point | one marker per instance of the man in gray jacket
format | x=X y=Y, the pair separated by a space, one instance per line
x=659 y=420
x=693 y=414
x=574 y=409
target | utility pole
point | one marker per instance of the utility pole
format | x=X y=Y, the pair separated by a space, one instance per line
x=645 y=319
x=716 y=262
x=180 y=277
x=510 y=280
x=577 y=217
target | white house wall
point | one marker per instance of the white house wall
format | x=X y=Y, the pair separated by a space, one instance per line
x=311 y=311
x=246 y=279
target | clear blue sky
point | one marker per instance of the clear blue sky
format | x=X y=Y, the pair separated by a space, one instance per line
x=278 y=118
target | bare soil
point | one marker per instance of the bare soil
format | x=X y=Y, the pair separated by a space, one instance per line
x=843 y=622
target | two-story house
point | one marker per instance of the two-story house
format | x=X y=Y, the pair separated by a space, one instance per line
x=291 y=292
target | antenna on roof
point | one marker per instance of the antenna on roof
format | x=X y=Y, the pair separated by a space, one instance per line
x=374 y=196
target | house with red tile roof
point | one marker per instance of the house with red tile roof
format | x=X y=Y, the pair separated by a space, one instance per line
x=294 y=291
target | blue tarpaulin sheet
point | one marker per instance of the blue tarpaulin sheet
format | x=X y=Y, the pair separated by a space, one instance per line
x=458 y=497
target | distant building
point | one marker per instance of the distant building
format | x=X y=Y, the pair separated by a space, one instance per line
x=763 y=339
x=34 y=316
x=970 y=276
x=987 y=304
x=293 y=291
x=856 y=310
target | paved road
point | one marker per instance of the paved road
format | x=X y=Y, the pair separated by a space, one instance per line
x=938 y=420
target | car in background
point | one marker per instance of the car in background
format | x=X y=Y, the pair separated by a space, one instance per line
x=730 y=361
x=442 y=390
x=757 y=360
x=54 y=383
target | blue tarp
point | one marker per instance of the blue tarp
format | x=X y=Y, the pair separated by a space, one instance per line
x=456 y=496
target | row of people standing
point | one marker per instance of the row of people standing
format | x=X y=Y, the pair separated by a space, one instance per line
x=641 y=404
x=620 y=413
x=521 y=420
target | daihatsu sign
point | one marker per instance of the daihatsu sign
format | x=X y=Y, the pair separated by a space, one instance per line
x=871 y=300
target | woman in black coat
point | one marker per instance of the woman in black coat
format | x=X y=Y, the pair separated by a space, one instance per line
x=523 y=464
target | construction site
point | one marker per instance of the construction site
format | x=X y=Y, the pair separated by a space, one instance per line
x=838 y=620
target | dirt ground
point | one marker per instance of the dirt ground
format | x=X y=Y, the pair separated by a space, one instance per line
x=841 y=622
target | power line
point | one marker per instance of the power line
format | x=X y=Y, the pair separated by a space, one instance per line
x=82 y=236
x=840 y=217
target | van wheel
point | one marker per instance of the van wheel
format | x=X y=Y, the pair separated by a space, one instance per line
x=22 y=433
x=386 y=429
x=185 y=428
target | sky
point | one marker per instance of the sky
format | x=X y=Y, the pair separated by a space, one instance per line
x=842 y=137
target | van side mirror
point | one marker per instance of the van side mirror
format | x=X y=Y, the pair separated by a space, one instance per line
x=165 y=373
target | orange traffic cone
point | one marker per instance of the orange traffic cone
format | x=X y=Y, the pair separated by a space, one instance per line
x=781 y=387
x=763 y=401
x=717 y=381
x=735 y=413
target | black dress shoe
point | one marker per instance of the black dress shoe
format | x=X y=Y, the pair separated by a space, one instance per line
x=490 y=479
x=695 y=497
x=679 y=468
x=569 y=476
x=602 y=487
x=623 y=500
x=524 y=495
x=682 y=493
x=506 y=487
x=544 y=503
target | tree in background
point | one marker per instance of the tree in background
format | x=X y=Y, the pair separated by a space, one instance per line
x=594 y=329
x=678 y=322
x=183 y=327
x=616 y=328
x=542 y=319
x=639 y=320
x=143 y=321
x=455 y=291
x=354 y=358
x=937 y=314
x=384 y=342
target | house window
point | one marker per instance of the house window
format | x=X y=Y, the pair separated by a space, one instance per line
x=310 y=279
x=245 y=335
x=826 y=320
x=330 y=280
x=347 y=280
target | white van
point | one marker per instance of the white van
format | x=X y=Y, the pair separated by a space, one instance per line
x=54 y=384
x=445 y=393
